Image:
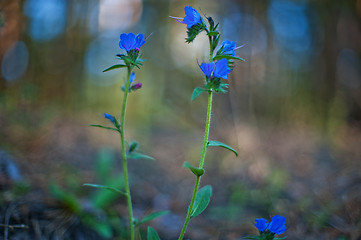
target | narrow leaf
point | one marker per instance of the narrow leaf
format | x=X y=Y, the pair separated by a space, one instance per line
x=196 y=171
x=115 y=67
x=105 y=187
x=220 y=144
x=202 y=200
x=227 y=57
x=151 y=216
x=152 y=234
x=213 y=33
x=196 y=92
x=109 y=128
x=135 y=155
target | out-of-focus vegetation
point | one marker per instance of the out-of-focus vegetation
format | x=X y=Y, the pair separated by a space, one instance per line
x=293 y=112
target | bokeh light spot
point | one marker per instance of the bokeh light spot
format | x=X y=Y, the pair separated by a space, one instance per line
x=48 y=18
x=15 y=61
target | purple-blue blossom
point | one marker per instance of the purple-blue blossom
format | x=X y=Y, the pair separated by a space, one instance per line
x=277 y=225
x=228 y=48
x=261 y=224
x=192 y=17
x=207 y=68
x=130 y=42
x=136 y=86
x=222 y=70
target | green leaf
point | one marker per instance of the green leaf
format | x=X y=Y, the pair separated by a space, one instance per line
x=252 y=237
x=213 y=33
x=228 y=57
x=280 y=238
x=152 y=234
x=115 y=67
x=202 y=200
x=196 y=171
x=151 y=216
x=196 y=92
x=105 y=187
x=220 y=144
x=70 y=200
x=100 y=126
x=135 y=155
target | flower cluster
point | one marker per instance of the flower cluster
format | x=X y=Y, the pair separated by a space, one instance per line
x=268 y=230
x=221 y=63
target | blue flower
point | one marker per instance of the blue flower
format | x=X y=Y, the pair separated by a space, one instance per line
x=261 y=224
x=130 y=42
x=110 y=117
x=222 y=70
x=277 y=225
x=192 y=17
x=207 y=68
x=228 y=48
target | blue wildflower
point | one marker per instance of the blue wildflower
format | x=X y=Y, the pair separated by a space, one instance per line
x=261 y=224
x=207 y=68
x=110 y=117
x=222 y=70
x=130 y=42
x=192 y=17
x=277 y=225
x=228 y=48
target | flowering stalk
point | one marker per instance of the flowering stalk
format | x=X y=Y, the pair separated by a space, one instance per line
x=131 y=44
x=218 y=68
x=124 y=155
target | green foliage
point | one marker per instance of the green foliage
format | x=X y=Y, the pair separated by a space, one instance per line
x=101 y=199
x=115 y=67
x=135 y=155
x=197 y=92
x=152 y=234
x=109 y=128
x=105 y=187
x=151 y=217
x=228 y=57
x=202 y=200
x=196 y=171
x=132 y=154
x=193 y=31
x=220 y=144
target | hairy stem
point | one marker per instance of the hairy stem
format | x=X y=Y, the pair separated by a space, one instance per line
x=124 y=156
x=201 y=164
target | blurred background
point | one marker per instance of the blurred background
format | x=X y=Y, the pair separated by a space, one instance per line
x=293 y=113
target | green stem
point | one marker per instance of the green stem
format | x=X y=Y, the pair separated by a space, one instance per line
x=124 y=156
x=201 y=163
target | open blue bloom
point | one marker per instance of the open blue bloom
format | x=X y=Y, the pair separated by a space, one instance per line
x=110 y=117
x=261 y=224
x=222 y=70
x=192 y=17
x=207 y=68
x=277 y=225
x=228 y=48
x=130 y=42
